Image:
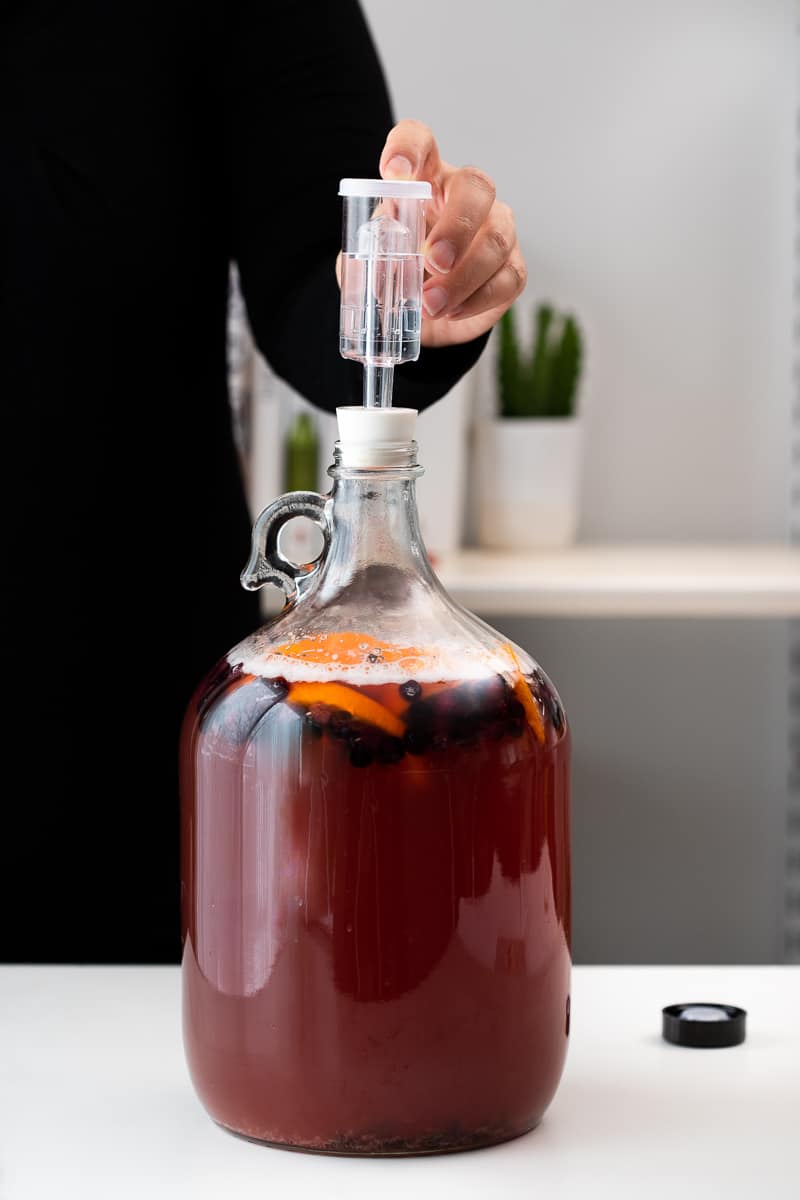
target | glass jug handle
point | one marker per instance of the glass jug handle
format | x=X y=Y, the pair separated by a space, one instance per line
x=266 y=563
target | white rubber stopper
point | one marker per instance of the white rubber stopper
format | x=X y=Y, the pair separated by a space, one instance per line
x=371 y=437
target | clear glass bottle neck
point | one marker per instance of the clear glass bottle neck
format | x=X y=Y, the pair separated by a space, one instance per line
x=374 y=519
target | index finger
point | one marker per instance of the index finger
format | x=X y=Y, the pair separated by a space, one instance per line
x=468 y=201
x=410 y=153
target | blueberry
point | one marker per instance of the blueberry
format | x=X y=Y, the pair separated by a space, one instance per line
x=515 y=709
x=556 y=715
x=340 y=725
x=320 y=714
x=421 y=717
x=390 y=750
x=417 y=741
x=454 y=703
x=439 y=742
x=360 y=753
x=492 y=698
x=515 y=727
x=313 y=726
x=410 y=690
x=464 y=732
x=279 y=687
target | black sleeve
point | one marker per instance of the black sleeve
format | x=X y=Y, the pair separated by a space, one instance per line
x=308 y=105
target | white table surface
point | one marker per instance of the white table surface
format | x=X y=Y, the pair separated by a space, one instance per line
x=95 y=1101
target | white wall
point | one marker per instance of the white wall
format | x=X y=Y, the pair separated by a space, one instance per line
x=647 y=148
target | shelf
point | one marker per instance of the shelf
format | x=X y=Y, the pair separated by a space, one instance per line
x=734 y=580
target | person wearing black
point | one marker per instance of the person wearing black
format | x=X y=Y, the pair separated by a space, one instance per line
x=144 y=147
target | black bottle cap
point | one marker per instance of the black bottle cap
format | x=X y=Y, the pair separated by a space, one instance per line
x=704 y=1025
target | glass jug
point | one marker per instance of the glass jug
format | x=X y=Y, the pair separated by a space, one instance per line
x=375 y=844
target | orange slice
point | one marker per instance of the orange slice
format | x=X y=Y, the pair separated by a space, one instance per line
x=350 y=648
x=393 y=700
x=339 y=695
x=523 y=694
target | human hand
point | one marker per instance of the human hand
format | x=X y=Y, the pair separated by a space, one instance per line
x=474 y=264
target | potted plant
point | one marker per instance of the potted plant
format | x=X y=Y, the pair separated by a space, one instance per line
x=528 y=458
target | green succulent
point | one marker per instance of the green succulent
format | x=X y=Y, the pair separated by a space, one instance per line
x=546 y=383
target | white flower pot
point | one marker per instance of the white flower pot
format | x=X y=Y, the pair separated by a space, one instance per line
x=528 y=478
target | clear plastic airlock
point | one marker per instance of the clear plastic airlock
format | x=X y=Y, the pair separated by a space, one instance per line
x=382 y=272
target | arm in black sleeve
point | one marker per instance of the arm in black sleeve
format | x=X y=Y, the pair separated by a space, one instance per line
x=308 y=105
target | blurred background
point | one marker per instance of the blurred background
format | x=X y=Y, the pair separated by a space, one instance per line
x=650 y=153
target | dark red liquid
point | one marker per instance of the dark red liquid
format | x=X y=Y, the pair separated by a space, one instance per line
x=376 y=927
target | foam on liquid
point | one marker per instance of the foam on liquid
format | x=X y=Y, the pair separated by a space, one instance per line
x=436 y=664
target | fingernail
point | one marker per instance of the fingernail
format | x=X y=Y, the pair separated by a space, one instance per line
x=442 y=255
x=399 y=167
x=434 y=300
